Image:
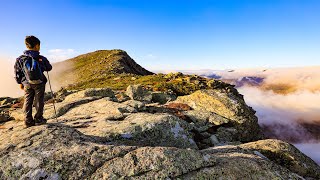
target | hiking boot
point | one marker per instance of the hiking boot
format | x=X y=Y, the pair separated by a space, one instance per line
x=40 y=121
x=29 y=123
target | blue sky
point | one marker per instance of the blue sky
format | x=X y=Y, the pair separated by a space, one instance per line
x=170 y=34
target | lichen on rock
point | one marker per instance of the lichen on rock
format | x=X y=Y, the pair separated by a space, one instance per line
x=286 y=155
x=99 y=136
x=228 y=105
x=137 y=92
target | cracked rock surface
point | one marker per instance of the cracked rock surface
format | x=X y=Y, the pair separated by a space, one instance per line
x=96 y=136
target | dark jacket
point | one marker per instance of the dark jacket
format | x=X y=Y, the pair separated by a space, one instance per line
x=44 y=65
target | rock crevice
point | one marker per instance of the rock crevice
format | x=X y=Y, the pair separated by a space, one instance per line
x=98 y=136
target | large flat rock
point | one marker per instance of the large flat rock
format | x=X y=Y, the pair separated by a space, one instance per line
x=286 y=155
x=228 y=105
x=61 y=152
x=97 y=137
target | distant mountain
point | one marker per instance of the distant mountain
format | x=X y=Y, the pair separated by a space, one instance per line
x=115 y=69
x=212 y=76
x=239 y=82
x=106 y=61
x=278 y=80
x=96 y=66
x=248 y=81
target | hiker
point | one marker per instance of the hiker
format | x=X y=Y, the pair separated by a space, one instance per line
x=29 y=69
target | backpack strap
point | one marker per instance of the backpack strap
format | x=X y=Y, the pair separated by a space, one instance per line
x=24 y=57
x=20 y=60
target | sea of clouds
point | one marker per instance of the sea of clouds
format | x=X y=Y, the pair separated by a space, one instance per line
x=285 y=114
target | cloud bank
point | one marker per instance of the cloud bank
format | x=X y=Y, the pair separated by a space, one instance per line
x=9 y=86
x=294 y=116
x=56 y=55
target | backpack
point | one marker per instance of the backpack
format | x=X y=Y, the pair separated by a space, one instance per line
x=31 y=69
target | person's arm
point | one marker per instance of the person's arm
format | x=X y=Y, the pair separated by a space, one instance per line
x=47 y=65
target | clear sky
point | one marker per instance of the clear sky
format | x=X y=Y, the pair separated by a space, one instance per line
x=169 y=34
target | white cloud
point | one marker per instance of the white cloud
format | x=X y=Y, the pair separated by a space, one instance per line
x=9 y=87
x=150 y=56
x=60 y=54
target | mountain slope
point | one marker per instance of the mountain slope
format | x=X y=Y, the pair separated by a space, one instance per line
x=108 y=61
x=115 y=69
x=95 y=66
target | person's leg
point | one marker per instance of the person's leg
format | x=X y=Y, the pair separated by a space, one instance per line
x=28 y=103
x=39 y=101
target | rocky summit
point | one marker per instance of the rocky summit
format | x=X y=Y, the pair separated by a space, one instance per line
x=95 y=67
x=141 y=134
x=119 y=121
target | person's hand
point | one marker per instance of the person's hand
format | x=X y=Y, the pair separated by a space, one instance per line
x=21 y=87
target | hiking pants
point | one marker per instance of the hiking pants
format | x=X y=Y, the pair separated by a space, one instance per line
x=34 y=94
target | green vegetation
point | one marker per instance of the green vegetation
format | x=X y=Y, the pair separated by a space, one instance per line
x=181 y=85
x=94 y=68
x=116 y=70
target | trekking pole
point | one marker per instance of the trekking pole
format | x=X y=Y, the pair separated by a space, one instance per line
x=54 y=106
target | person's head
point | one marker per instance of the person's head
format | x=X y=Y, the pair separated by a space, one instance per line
x=32 y=43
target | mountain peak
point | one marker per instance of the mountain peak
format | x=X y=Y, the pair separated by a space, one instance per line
x=96 y=66
x=110 y=61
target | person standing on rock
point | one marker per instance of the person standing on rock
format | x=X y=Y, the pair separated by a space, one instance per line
x=29 y=69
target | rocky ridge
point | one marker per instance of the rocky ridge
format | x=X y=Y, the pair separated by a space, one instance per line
x=94 y=67
x=171 y=126
x=142 y=134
